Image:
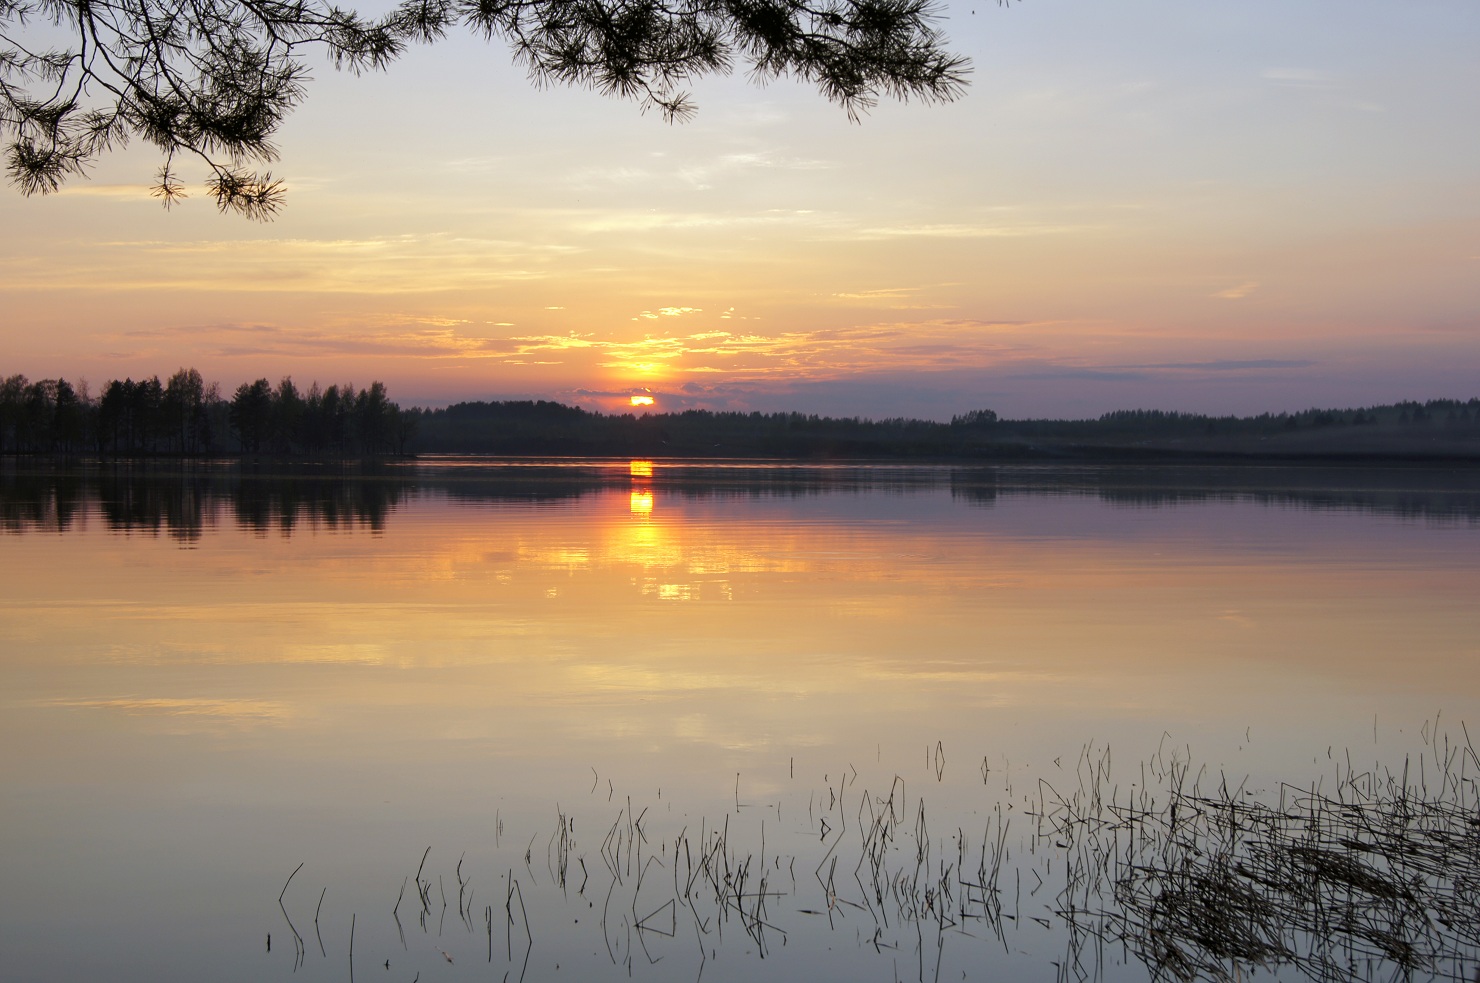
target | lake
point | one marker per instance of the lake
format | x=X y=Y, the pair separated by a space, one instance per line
x=654 y=720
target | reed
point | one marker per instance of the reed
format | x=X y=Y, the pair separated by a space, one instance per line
x=1365 y=873
x=300 y=951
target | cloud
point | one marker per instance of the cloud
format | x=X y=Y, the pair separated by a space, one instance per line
x=1078 y=373
x=375 y=265
x=648 y=220
x=1239 y=292
x=1234 y=365
x=881 y=293
x=1151 y=370
x=232 y=710
x=394 y=318
x=470 y=165
x=530 y=344
x=931 y=369
x=1306 y=78
x=699 y=174
x=125 y=192
x=961 y=231
x=822 y=353
x=749 y=353
x=231 y=340
x=768 y=159
x=668 y=312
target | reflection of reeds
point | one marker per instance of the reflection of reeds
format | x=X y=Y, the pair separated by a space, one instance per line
x=516 y=892
x=1187 y=874
x=318 y=908
x=558 y=851
x=396 y=913
x=424 y=891
x=300 y=951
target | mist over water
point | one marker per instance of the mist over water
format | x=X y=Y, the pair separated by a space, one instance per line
x=600 y=672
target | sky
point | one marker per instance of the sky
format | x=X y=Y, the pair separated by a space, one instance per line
x=1217 y=208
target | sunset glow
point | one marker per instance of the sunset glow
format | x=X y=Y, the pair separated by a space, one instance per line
x=1155 y=207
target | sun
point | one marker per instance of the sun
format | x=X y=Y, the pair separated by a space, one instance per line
x=640 y=400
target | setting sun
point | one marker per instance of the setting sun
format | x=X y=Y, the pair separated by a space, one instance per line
x=643 y=401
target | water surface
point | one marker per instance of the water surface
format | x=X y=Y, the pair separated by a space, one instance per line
x=211 y=677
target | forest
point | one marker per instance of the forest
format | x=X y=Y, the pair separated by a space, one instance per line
x=184 y=416
x=1441 y=428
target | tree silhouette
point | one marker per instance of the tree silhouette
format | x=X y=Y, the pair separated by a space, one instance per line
x=287 y=418
x=375 y=418
x=185 y=398
x=251 y=414
x=214 y=79
x=12 y=412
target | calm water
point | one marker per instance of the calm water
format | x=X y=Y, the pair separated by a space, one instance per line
x=683 y=722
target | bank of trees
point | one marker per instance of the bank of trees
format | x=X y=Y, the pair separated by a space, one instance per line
x=339 y=421
x=187 y=416
x=1442 y=427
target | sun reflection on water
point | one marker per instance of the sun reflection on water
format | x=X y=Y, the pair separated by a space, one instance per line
x=642 y=496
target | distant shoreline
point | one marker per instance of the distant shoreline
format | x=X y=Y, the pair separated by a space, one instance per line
x=189 y=419
x=1007 y=455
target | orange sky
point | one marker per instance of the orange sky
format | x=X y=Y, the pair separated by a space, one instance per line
x=1223 y=210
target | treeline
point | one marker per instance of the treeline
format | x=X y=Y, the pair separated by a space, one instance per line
x=1452 y=413
x=186 y=416
x=1442 y=427
x=542 y=427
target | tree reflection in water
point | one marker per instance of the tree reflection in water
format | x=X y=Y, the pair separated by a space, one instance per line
x=184 y=502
